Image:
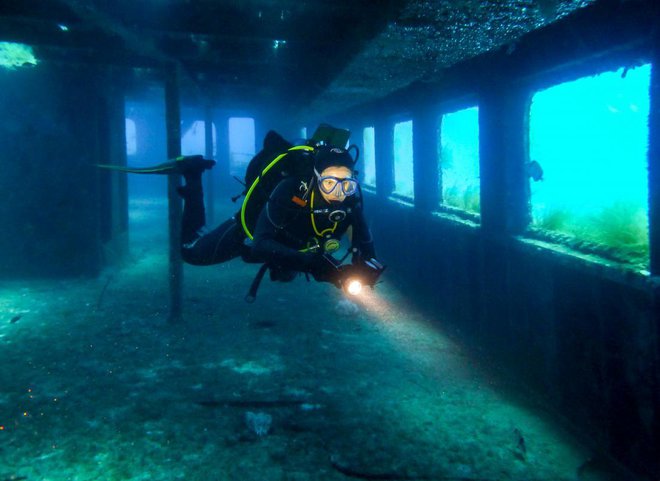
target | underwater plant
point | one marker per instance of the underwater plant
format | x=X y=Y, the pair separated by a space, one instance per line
x=454 y=192
x=14 y=55
x=622 y=226
x=619 y=230
x=471 y=199
x=458 y=151
x=461 y=197
x=450 y=196
x=555 y=220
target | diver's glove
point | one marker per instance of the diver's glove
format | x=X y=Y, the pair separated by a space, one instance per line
x=367 y=271
x=323 y=268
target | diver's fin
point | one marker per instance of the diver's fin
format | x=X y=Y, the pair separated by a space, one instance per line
x=180 y=165
x=165 y=168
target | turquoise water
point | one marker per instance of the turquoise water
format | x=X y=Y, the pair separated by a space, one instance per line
x=591 y=137
x=404 y=182
x=369 y=157
x=131 y=137
x=193 y=141
x=242 y=144
x=459 y=159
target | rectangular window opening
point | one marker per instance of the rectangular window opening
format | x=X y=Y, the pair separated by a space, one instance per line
x=241 y=144
x=131 y=137
x=588 y=150
x=193 y=141
x=403 y=160
x=368 y=158
x=459 y=160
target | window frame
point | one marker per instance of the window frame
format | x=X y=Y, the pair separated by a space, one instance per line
x=555 y=240
x=449 y=107
x=394 y=195
x=371 y=188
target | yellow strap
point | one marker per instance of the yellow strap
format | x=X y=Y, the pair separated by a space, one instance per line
x=256 y=181
x=311 y=214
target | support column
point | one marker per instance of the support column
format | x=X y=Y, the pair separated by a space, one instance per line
x=209 y=189
x=224 y=158
x=516 y=141
x=384 y=143
x=654 y=165
x=119 y=183
x=425 y=155
x=503 y=124
x=173 y=119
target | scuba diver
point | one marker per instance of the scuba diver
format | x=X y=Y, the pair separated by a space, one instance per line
x=299 y=202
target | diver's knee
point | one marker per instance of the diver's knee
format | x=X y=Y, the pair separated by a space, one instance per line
x=189 y=256
x=282 y=275
x=250 y=256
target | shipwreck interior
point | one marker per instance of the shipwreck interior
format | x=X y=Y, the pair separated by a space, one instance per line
x=483 y=152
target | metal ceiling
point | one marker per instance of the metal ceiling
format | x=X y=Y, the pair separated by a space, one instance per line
x=429 y=36
x=296 y=55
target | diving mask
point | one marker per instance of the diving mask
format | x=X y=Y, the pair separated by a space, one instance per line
x=328 y=184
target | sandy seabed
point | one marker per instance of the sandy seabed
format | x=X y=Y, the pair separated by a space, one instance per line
x=301 y=385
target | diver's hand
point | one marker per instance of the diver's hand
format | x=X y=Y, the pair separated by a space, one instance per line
x=324 y=268
x=367 y=271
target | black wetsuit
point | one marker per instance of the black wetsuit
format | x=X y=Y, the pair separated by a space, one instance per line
x=283 y=228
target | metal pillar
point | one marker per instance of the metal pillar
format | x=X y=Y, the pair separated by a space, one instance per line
x=654 y=164
x=384 y=143
x=119 y=183
x=209 y=189
x=425 y=152
x=173 y=119
x=224 y=156
x=503 y=153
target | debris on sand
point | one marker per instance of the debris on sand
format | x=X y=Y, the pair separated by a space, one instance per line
x=521 y=447
x=258 y=423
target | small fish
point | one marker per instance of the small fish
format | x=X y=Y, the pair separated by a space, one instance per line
x=15 y=319
x=534 y=170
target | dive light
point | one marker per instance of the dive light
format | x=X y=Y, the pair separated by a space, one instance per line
x=355 y=276
x=353 y=287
